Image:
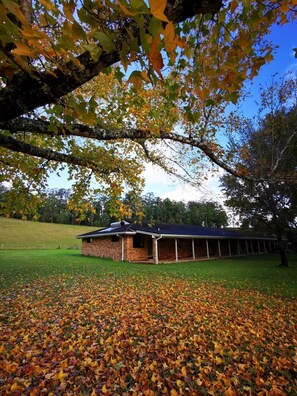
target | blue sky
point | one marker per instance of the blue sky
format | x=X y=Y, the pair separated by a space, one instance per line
x=285 y=37
x=165 y=186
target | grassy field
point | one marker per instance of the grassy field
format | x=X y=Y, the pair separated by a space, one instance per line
x=20 y=234
x=260 y=273
x=82 y=325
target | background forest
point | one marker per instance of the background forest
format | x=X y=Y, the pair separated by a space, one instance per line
x=55 y=210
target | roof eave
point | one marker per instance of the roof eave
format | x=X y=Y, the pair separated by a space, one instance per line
x=185 y=236
x=105 y=234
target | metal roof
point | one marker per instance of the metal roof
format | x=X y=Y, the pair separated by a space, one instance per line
x=170 y=231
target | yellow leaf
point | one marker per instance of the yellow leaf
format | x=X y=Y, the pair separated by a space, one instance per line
x=157 y=8
x=154 y=378
x=88 y=360
x=49 y=5
x=61 y=375
x=218 y=360
x=173 y=392
x=104 y=389
x=14 y=387
x=179 y=383
x=184 y=371
x=152 y=367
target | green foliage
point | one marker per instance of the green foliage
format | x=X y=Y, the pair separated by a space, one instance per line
x=55 y=209
x=268 y=200
x=208 y=214
x=96 y=85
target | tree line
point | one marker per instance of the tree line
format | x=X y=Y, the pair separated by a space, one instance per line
x=55 y=209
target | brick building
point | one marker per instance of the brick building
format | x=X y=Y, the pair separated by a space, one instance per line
x=170 y=242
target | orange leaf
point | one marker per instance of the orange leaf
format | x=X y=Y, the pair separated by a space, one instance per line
x=14 y=387
x=157 y=8
x=233 y=6
x=229 y=392
x=169 y=40
x=49 y=5
x=22 y=49
x=155 y=56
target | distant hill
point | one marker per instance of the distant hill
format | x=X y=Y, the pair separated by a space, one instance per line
x=22 y=234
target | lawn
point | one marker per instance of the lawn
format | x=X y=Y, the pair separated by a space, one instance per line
x=22 y=234
x=86 y=326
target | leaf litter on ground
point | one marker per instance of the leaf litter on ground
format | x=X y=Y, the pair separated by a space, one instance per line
x=143 y=335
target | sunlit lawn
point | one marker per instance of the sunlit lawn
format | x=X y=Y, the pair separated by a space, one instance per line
x=80 y=325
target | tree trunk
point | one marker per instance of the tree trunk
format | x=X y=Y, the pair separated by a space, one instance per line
x=283 y=254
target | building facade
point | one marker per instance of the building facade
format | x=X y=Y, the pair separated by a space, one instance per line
x=170 y=242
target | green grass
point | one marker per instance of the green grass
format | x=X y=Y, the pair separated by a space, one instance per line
x=260 y=273
x=21 y=234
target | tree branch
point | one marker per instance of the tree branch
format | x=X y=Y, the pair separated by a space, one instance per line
x=50 y=155
x=282 y=152
x=42 y=127
x=26 y=92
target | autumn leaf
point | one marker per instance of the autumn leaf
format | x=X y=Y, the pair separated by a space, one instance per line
x=49 y=5
x=169 y=40
x=155 y=56
x=23 y=50
x=157 y=8
x=133 y=334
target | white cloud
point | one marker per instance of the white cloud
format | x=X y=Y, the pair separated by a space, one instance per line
x=165 y=186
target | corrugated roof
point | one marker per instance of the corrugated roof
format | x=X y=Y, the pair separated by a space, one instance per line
x=169 y=230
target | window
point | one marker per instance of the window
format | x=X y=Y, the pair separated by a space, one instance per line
x=115 y=238
x=89 y=240
x=138 y=241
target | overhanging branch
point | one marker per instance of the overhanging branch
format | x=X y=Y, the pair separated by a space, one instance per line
x=26 y=92
x=50 y=155
x=101 y=134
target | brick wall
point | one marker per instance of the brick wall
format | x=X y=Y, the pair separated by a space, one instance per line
x=103 y=247
x=136 y=253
